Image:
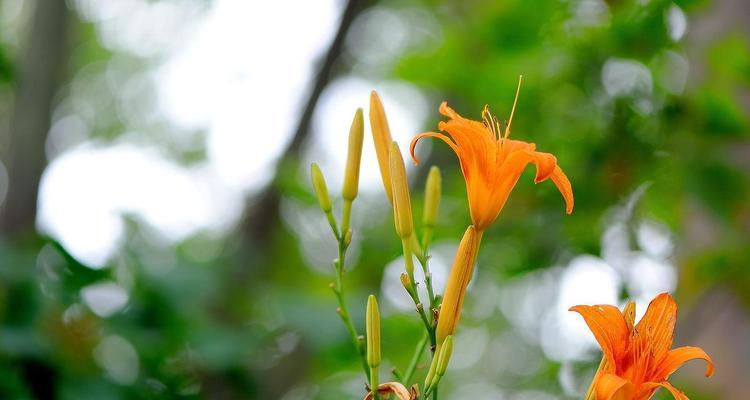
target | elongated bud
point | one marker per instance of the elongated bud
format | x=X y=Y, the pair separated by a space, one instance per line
x=431 y=197
x=381 y=135
x=373 y=332
x=458 y=280
x=348 y=238
x=445 y=356
x=351 y=174
x=405 y=281
x=321 y=189
x=439 y=364
x=401 y=200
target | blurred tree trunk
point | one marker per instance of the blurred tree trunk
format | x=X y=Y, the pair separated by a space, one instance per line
x=42 y=61
x=263 y=213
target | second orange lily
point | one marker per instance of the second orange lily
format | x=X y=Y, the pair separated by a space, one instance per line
x=637 y=358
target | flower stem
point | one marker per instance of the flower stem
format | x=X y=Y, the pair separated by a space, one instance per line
x=346 y=217
x=428 y=278
x=412 y=290
x=374 y=383
x=338 y=289
x=418 y=351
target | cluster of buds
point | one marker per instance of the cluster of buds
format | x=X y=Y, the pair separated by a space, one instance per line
x=396 y=185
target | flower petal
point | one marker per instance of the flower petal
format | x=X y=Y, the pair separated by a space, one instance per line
x=446 y=110
x=648 y=388
x=656 y=328
x=545 y=165
x=396 y=389
x=609 y=328
x=546 y=168
x=440 y=136
x=563 y=185
x=676 y=357
x=612 y=387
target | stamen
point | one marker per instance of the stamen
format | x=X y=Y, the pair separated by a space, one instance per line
x=513 y=110
x=490 y=122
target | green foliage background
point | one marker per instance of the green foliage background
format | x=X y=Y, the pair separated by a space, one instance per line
x=254 y=321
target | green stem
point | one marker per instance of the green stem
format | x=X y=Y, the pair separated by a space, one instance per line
x=374 y=383
x=343 y=310
x=428 y=280
x=346 y=217
x=332 y=223
x=431 y=372
x=415 y=359
x=426 y=238
x=412 y=290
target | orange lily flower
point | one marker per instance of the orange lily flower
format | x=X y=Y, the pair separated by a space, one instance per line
x=491 y=163
x=638 y=359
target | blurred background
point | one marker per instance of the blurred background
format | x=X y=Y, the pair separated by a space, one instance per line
x=159 y=237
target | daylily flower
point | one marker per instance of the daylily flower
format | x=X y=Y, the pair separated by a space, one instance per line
x=385 y=390
x=491 y=163
x=637 y=358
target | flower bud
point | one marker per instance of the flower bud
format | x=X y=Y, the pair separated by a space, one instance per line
x=458 y=280
x=405 y=281
x=439 y=363
x=381 y=135
x=401 y=201
x=348 y=238
x=372 y=328
x=321 y=189
x=431 y=197
x=445 y=355
x=351 y=174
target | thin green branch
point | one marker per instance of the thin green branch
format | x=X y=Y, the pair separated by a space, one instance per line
x=374 y=383
x=412 y=367
x=412 y=290
x=338 y=289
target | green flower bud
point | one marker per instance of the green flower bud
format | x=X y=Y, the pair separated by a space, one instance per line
x=372 y=329
x=400 y=186
x=321 y=189
x=351 y=174
x=431 y=197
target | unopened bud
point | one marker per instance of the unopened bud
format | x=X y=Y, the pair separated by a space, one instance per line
x=348 y=238
x=381 y=135
x=405 y=281
x=401 y=200
x=445 y=355
x=321 y=189
x=458 y=280
x=351 y=174
x=372 y=329
x=431 y=197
